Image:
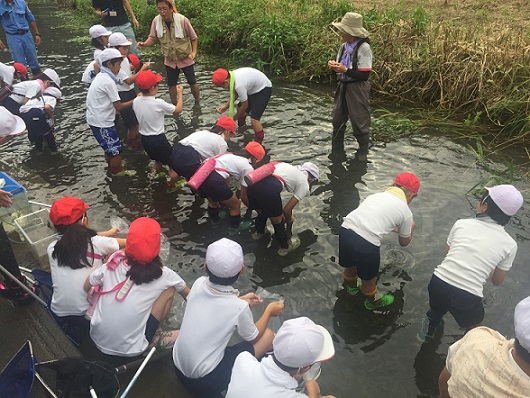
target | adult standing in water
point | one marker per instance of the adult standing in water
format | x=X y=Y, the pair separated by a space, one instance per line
x=17 y=20
x=179 y=43
x=115 y=18
x=352 y=97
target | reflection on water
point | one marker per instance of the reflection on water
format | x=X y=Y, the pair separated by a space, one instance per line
x=377 y=354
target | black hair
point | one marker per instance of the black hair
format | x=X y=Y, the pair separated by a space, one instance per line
x=112 y=61
x=245 y=154
x=287 y=369
x=97 y=43
x=522 y=352
x=144 y=273
x=71 y=249
x=167 y=2
x=221 y=281
x=144 y=91
x=217 y=129
x=43 y=77
x=493 y=210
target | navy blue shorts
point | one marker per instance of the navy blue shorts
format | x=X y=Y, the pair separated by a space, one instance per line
x=11 y=105
x=355 y=251
x=36 y=123
x=107 y=138
x=258 y=102
x=150 y=328
x=216 y=188
x=127 y=114
x=157 y=147
x=184 y=160
x=173 y=75
x=265 y=195
x=211 y=385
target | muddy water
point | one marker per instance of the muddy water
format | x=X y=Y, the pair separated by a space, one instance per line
x=377 y=354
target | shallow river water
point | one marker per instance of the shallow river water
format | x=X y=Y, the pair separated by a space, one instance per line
x=377 y=354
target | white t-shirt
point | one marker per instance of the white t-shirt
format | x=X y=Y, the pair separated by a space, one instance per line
x=7 y=73
x=101 y=96
x=249 y=81
x=124 y=73
x=213 y=313
x=97 y=53
x=293 y=179
x=230 y=165
x=89 y=74
x=206 y=143
x=379 y=214
x=69 y=296
x=118 y=328
x=27 y=89
x=476 y=247
x=39 y=103
x=251 y=378
x=150 y=113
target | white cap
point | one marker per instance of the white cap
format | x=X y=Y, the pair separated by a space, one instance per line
x=300 y=342
x=224 y=258
x=521 y=320
x=311 y=168
x=118 y=39
x=108 y=54
x=507 y=198
x=10 y=124
x=53 y=76
x=98 y=31
x=55 y=92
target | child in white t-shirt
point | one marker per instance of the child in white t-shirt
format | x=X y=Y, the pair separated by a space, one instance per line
x=214 y=311
x=150 y=112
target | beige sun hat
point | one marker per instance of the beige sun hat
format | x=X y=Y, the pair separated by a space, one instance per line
x=352 y=24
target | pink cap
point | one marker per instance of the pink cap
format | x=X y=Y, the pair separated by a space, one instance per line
x=507 y=198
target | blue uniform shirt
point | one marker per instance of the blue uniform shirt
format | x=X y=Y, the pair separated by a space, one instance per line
x=15 y=16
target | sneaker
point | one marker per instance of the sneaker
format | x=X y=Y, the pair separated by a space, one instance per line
x=124 y=173
x=427 y=331
x=243 y=225
x=293 y=244
x=353 y=290
x=383 y=301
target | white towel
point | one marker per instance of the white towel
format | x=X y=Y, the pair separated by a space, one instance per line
x=178 y=24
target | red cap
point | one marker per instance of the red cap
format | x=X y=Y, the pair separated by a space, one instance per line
x=135 y=61
x=219 y=77
x=147 y=79
x=143 y=240
x=67 y=210
x=256 y=150
x=227 y=123
x=20 y=68
x=408 y=181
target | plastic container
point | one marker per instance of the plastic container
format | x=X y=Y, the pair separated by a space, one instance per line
x=20 y=205
x=39 y=232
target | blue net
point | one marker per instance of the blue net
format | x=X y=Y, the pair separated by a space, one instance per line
x=16 y=380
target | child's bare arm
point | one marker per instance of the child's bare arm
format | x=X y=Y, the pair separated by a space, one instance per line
x=178 y=107
x=498 y=275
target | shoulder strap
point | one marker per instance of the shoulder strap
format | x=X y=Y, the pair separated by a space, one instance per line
x=355 y=52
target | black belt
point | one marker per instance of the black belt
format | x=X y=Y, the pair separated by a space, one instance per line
x=19 y=32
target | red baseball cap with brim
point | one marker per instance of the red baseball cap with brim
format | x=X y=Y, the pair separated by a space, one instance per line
x=143 y=240
x=219 y=77
x=147 y=79
x=256 y=150
x=227 y=123
x=408 y=181
x=135 y=61
x=67 y=210
x=21 y=68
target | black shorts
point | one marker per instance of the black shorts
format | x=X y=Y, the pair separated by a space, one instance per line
x=36 y=123
x=185 y=160
x=258 y=102
x=157 y=147
x=265 y=195
x=172 y=75
x=355 y=251
x=211 y=385
x=11 y=105
x=216 y=188
x=466 y=308
x=127 y=114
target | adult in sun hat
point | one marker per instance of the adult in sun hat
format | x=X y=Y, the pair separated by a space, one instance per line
x=141 y=291
x=254 y=91
x=265 y=197
x=216 y=187
x=17 y=20
x=179 y=45
x=8 y=73
x=191 y=151
x=361 y=233
x=150 y=112
x=77 y=252
x=214 y=311
x=477 y=249
x=298 y=345
x=352 y=96
x=484 y=364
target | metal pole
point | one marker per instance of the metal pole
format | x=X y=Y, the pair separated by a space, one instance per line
x=140 y=369
x=39 y=204
x=28 y=290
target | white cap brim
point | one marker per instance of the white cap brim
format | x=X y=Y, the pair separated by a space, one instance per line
x=328 y=351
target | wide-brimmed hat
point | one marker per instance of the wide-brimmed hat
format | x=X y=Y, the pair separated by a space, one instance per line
x=352 y=24
x=10 y=124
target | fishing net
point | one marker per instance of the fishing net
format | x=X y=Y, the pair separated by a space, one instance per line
x=16 y=380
